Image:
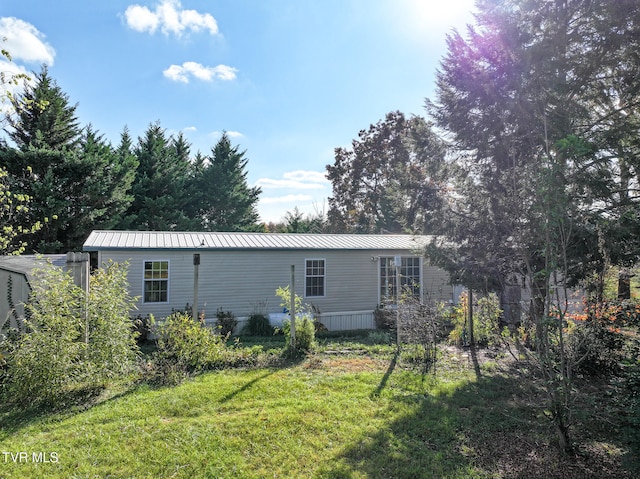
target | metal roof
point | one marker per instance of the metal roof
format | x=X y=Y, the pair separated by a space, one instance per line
x=25 y=264
x=109 y=240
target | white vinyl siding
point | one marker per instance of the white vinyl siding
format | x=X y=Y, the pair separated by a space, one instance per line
x=314 y=278
x=238 y=280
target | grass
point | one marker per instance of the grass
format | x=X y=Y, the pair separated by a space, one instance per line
x=353 y=410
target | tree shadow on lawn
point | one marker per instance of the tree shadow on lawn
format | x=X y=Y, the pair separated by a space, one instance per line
x=14 y=417
x=490 y=428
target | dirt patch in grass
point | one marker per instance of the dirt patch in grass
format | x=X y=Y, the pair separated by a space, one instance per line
x=346 y=364
x=516 y=456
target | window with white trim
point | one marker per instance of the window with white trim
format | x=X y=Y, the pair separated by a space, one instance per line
x=156 y=281
x=314 y=278
x=409 y=278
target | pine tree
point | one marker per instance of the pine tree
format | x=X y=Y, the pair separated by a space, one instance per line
x=55 y=126
x=74 y=179
x=161 y=186
x=227 y=202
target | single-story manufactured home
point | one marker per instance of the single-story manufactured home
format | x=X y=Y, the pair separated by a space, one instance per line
x=345 y=276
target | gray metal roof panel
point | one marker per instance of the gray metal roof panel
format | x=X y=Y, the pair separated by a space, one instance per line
x=25 y=264
x=103 y=240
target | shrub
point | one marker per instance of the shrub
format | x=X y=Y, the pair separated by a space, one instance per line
x=188 y=346
x=226 y=322
x=112 y=347
x=486 y=317
x=142 y=326
x=597 y=347
x=628 y=395
x=384 y=319
x=258 y=325
x=379 y=337
x=305 y=330
x=72 y=342
x=304 y=339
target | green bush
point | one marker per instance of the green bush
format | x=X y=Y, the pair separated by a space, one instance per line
x=72 y=342
x=142 y=325
x=305 y=336
x=486 y=317
x=258 y=325
x=628 y=397
x=226 y=322
x=305 y=330
x=188 y=346
x=384 y=318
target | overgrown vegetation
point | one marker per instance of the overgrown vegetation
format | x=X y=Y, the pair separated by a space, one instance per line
x=357 y=409
x=72 y=342
x=486 y=321
x=303 y=341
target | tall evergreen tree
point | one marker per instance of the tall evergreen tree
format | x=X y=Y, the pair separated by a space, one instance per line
x=537 y=86
x=54 y=126
x=226 y=201
x=74 y=179
x=536 y=100
x=161 y=186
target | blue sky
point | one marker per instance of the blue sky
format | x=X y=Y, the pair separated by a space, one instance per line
x=289 y=80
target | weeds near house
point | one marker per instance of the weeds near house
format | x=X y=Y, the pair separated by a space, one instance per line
x=305 y=329
x=226 y=322
x=73 y=343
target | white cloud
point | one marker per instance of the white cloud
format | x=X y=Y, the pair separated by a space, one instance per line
x=183 y=73
x=141 y=19
x=303 y=189
x=305 y=175
x=170 y=18
x=25 y=42
x=285 y=199
x=296 y=180
x=189 y=128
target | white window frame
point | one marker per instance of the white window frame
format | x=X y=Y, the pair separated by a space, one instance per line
x=144 y=280
x=391 y=300
x=323 y=276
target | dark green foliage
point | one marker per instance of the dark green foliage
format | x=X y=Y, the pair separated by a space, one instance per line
x=258 y=325
x=226 y=322
x=628 y=394
x=296 y=222
x=222 y=199
x=75 y=181
x=161 y=186
x=384 y=318
x=305 y=336
x=142 y=326
x=53 y=127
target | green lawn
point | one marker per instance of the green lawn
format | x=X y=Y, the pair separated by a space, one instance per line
x=336 y=415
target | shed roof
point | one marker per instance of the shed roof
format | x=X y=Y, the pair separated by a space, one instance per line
x=25 y=264
x=109 y=240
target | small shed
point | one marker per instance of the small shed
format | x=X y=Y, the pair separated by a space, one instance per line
x=344 y=276
x=16 y=273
